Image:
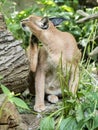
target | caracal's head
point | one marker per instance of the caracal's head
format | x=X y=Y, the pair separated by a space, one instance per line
x=35 y=24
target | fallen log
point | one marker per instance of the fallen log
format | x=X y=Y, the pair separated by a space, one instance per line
x=14 y=67
x=10 y=119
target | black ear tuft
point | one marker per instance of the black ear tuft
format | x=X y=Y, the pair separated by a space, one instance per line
x=57 y=20
x=45 y=21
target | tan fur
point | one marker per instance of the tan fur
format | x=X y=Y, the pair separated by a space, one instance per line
x=46 y=59
x=32 y=52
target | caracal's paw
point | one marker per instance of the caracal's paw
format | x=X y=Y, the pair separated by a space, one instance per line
x=53 y=98
x=39 y=107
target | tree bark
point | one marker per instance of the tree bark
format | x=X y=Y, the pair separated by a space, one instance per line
x=14 y=66
x=10 y=119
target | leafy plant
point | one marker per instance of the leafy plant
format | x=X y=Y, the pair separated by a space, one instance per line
x=10 y=96
x=47 y=124
x=79 y=112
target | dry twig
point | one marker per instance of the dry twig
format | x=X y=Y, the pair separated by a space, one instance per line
x=86 y=16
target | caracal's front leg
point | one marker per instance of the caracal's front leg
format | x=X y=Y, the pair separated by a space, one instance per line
x=40 y=90
x=40 y=81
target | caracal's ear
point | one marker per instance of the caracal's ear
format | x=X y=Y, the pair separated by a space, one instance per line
x=44 y=22
x=57 y=20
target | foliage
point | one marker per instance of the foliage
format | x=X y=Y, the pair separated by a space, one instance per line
x=10 y=96
x=47 y=124
x=79 y=112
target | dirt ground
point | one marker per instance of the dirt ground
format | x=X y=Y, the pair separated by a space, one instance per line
x=33 y=120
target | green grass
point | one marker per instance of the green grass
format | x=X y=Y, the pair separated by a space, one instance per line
x=79 y=112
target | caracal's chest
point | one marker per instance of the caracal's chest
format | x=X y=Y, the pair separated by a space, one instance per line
x=52 y=61
x=52 y=85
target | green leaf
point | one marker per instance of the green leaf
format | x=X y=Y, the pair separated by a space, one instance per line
x=81 y=124
x=95 y=122
x=5 y=90
x=19 y=102
x=47 y=124
x=79 y=112
x=84 y=122
x=68 y=124
x=67 y=8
